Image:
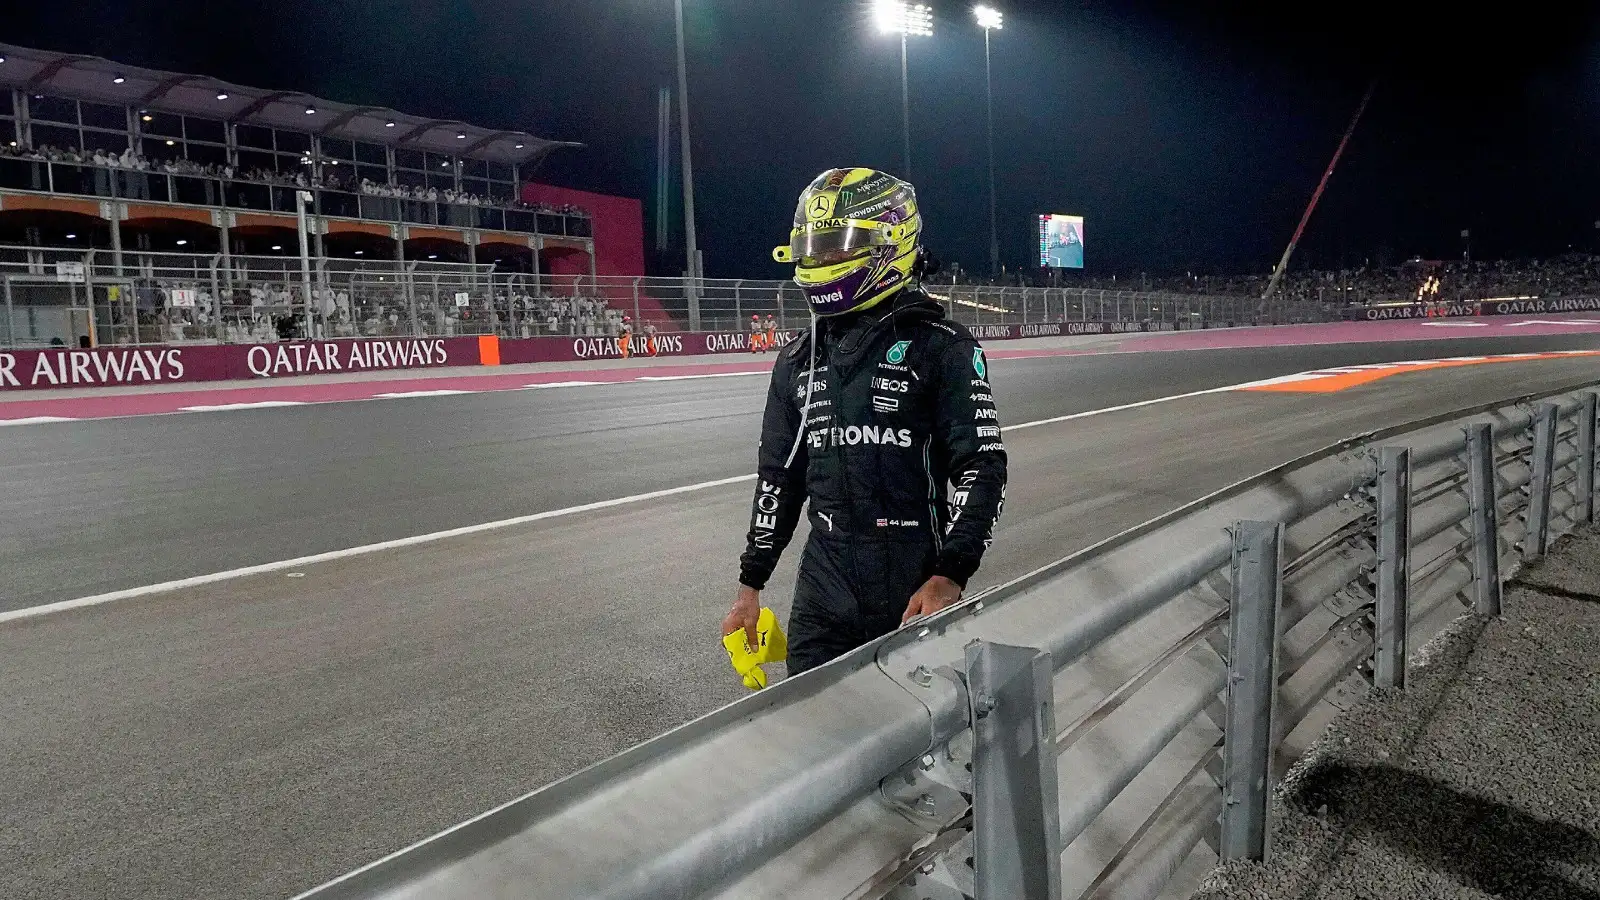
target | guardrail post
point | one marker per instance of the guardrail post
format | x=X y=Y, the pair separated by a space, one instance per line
x=1394 y=568
x=1016 y=823
x=1588 y=438
x=1536 y=540
x=1257 y=578
x=1485 y=519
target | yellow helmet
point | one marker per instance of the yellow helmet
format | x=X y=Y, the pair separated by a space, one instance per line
x=855 y=239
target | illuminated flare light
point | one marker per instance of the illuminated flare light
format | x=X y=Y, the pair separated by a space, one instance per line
x=988 y=17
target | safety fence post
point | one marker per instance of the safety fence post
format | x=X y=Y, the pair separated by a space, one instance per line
x=1015 y=819
x=1257 y=577
x=1485 y=519
x=1588 y=437
x=1536 y=539
x=1394 y=568
x=11 y=321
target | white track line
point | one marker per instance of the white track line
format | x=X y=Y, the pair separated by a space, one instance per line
x=36 y=420
x=402 y=395
x=226 y=407
x=693 y=377
x=166 y=586
x=562 y=384
x=331 y=555
x=1139 y=405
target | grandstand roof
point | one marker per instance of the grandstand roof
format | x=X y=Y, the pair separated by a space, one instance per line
x=91 y=78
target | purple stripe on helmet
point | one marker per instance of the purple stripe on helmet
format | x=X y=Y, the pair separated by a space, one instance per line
x=840 y=295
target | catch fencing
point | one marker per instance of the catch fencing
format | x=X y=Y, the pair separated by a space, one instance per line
x=1089 y=730
x=70 y=297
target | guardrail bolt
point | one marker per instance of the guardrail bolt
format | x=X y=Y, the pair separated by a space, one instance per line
x=977 y=607
x=926 y=868
x=924 y=633
x=984 y=705
x=927 y=762
x=922 y=676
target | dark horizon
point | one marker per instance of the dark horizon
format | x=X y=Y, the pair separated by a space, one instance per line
x=1188 y=141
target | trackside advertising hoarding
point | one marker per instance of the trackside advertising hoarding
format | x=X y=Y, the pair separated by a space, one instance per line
x=155 y=364
x=22 y=370
x=1516 y=307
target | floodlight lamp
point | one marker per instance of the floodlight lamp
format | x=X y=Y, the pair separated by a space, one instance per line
x=889 y=15
x=988 y=17
x=919 y=20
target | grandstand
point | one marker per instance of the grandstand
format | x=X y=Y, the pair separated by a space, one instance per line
x=151 y=171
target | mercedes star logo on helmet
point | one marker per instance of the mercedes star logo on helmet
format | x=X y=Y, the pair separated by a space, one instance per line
x=819 y=206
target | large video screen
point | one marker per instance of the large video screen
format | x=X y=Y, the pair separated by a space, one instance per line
x=1061 y=241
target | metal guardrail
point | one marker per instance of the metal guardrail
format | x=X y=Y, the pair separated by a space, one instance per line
x=1082 y=731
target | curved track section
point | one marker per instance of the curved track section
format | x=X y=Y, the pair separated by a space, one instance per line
x=254 y=736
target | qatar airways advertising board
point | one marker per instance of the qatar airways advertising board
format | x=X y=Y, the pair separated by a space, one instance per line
x=116 y=366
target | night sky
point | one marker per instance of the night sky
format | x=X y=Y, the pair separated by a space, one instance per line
x=1189 y=139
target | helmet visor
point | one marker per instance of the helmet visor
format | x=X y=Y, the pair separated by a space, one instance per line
x=837 y=240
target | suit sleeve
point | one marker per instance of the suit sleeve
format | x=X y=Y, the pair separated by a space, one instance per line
x=780 y=488
x=968 y=435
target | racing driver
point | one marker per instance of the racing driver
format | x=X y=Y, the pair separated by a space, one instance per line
x=872 y=415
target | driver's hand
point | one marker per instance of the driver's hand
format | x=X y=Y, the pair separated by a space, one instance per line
x=933 y=596
x=745 y=613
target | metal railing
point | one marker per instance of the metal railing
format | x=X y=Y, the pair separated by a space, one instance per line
x=1080 y=732
x=150 y=186
x=247 y=299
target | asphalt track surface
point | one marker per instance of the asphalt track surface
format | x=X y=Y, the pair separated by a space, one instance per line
x=254 y=737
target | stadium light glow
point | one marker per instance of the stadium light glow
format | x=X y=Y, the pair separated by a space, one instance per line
x=360 y=252
x=461 y=135
x=171 y=143
x=72 y=237
x=388 y=124
x=222 y=95
x=311 y=110
x=146 y=117
x=183 y=243
x=900 y=17
x=520 y=146
x=118 y=80
x=987 y=16
x=433 y=256
x=2 y=60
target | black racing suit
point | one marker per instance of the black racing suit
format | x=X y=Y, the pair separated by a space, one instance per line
x=900 y=406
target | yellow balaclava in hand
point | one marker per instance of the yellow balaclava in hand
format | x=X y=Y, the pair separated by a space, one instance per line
x=771 y=647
